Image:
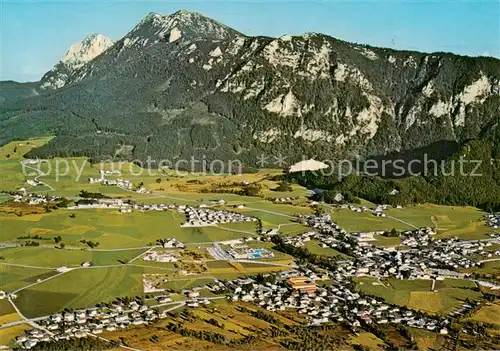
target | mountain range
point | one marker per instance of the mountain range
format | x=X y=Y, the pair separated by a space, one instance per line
x=185 y=85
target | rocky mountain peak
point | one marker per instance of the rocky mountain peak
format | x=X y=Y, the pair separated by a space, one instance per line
x=89 y=48
x=78 y=55
x=178 y=25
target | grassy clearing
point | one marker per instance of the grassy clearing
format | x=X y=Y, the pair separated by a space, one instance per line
x=427 y=301
x=7 y=334
x=183 y=284
x=426 y=340
x=293 y=229
x=416 y=294
x=387 y=240
x=488 y=314
x=315 y=248
x=5 y=198
x=462 y=221
x=365 y=221
x=12 y=277
x=17 y=149
x=368 y=340
x=7 y=312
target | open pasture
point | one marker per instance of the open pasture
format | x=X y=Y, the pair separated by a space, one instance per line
x=111 y=228
x=489 y=313
x=82 y=288
x=15 y=277
x=314 y=247
x=463 y=221
x=8 y=334
x=16 y=150
x=365 y=221
x=416 y=294
x=52 y=258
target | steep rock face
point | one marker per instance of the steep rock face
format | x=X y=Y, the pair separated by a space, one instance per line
x=183 y=85
x=77 y=56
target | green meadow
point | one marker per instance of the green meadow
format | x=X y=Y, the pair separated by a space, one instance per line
x=110 y=228
x=14 y=277
x=82 y=288
x=417 y=294
x=52 y=258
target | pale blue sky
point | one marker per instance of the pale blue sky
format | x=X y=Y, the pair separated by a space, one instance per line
x=36 y=34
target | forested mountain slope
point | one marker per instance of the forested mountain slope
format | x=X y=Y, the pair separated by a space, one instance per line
x=184 y=85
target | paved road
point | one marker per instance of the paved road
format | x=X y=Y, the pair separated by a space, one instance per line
x=401 y=221
x=28 y=320
x=272 y=212
x=141 y=254
x=396 y=219
x=490 y=260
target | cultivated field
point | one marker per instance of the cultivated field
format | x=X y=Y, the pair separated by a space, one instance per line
x=417 y=294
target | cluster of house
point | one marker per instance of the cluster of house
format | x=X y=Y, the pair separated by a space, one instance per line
x=119 y=182
x=34 y=199
x=493 y=220
x=200 y=216
x=171 y=243
x=283 y=200
x=321 y=304
x=423 y=259
x=105 y=181
x=469 y=248
x=417 y=238
x=80 y=323
x=33 y=182
x=378 y=211
x=102 y=203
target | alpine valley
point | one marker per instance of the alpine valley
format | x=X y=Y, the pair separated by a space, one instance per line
x=185 y=85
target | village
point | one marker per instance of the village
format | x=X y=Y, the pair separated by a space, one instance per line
x=418 y=255
x=336 y=303
x=117 y=315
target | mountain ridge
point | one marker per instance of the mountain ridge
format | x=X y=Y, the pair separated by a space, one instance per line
x=223 y=94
